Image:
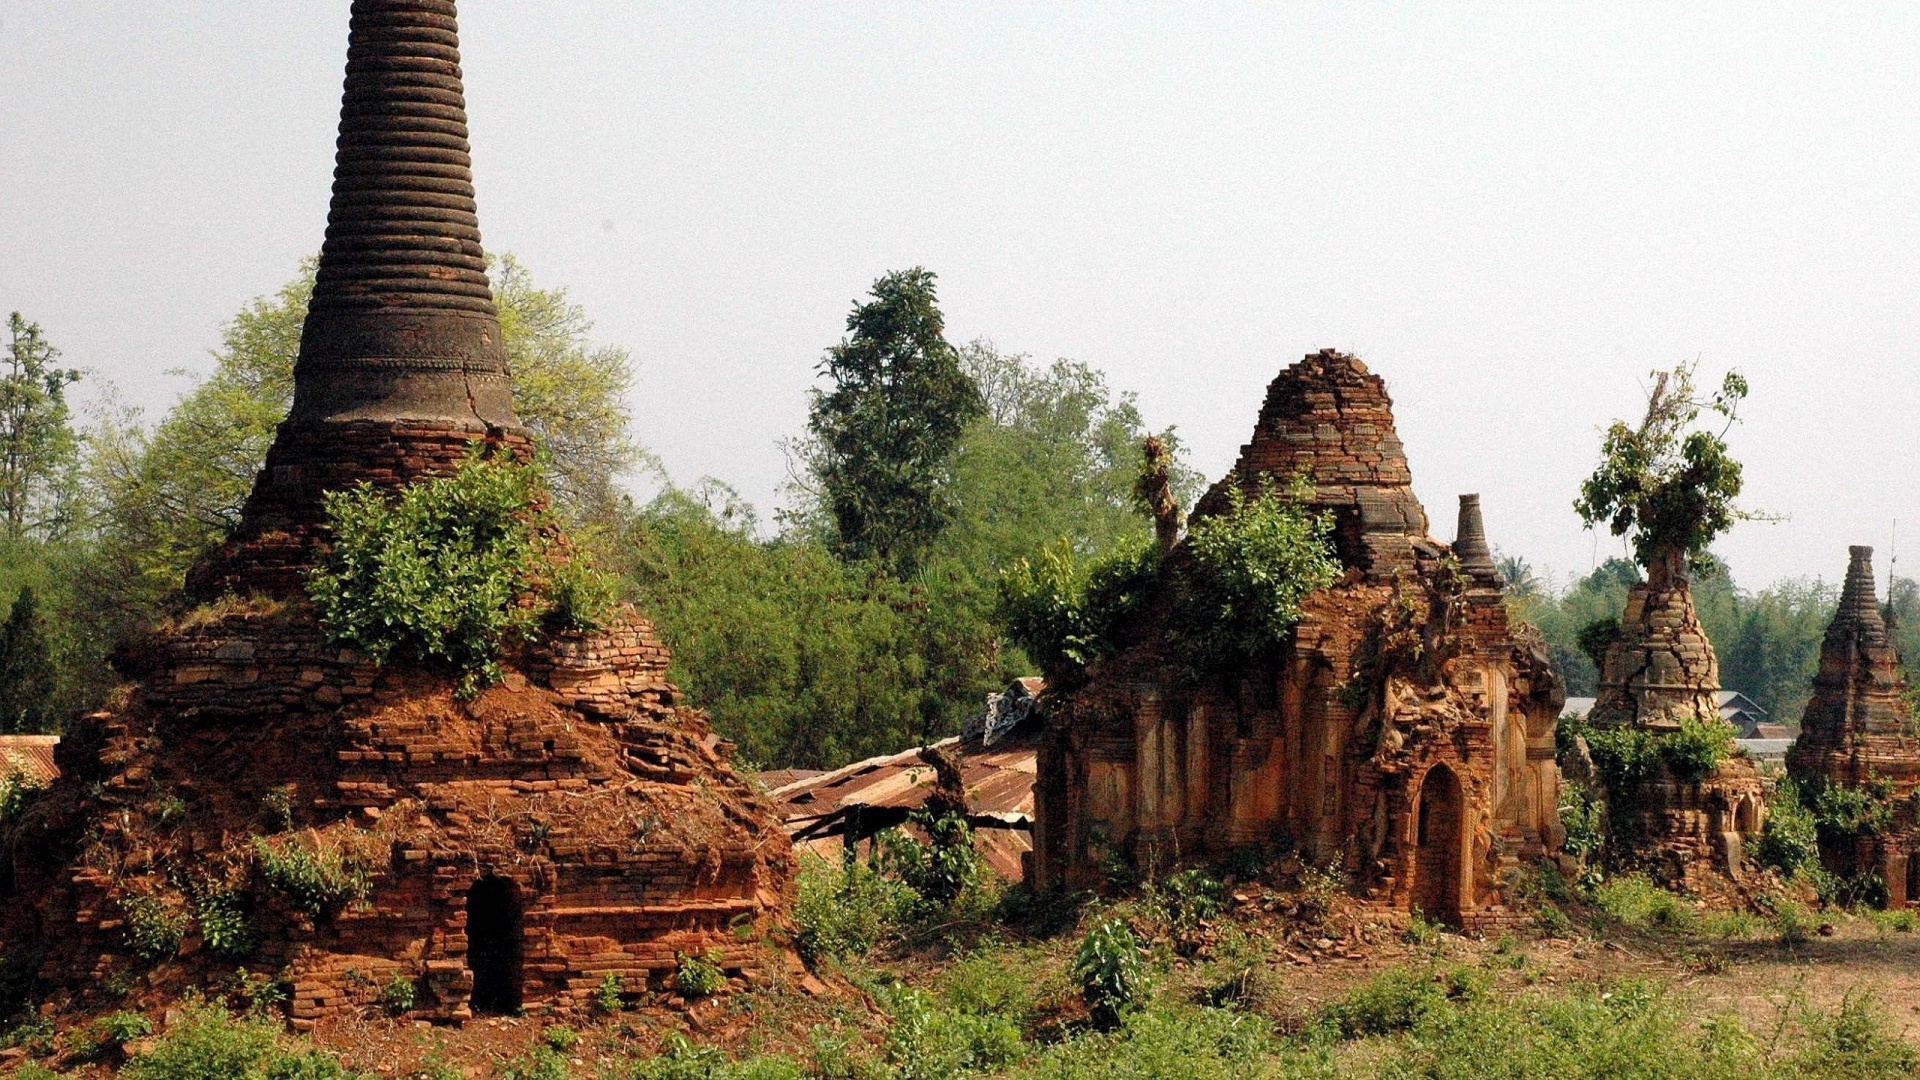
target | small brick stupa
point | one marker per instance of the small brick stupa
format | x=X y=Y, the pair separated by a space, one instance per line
x=1662 y=670
x=267 y=800
x=1857 y=731
x=1405 y=734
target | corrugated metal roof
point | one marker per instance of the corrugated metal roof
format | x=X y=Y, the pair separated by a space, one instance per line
x=882 y=790
x=30 y=756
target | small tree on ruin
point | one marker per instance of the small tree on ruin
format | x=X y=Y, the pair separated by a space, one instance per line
x=1669 y=484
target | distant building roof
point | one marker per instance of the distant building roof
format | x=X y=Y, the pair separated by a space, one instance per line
x=1578 y=707
x=1764 y=749
x=29 y=756
x=1733 y=701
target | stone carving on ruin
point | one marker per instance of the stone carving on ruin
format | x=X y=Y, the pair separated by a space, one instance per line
x=572 y=825
x=1858 y=731
x=1404 y=734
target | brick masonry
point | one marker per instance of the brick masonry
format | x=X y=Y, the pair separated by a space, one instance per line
x=1405 y=734
x=1858 y=730
x=627 y=840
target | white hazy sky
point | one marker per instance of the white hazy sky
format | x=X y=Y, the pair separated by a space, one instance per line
x=1511 y=211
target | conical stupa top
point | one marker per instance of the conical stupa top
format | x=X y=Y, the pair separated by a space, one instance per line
x=1470 y=539
x=402 y=324
x=1859 y=614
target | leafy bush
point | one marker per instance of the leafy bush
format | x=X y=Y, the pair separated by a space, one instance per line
x=17 y=792
x=1627 y=757
x=106 y=1035
x=1583 y=816
x=318 y=881
x=1854 y=1041
x=847 y=910
x=1188 y=897
x=1790 y=840
x=606 y=996
x=154 y=926
x=224 y=926
x=1251 y=566
x=1394 y=1000
x=928 y=1042
x=560 y=1037
x=1632 y=900
x=1065 y=613
x=1108 y=967
x=399 y=995
x=940 y=869
x=449 y=568
x=207 y=1044
x=699 y=975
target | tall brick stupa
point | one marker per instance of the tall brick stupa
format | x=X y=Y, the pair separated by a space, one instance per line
x=265 y=799
x=1858 y=732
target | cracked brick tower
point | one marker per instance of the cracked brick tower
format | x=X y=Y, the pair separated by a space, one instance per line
x=263 y=799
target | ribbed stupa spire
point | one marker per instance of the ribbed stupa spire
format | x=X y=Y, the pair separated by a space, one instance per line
x=1470 y=541
x=402 y=324
x=401 y=366
x=1858 y=618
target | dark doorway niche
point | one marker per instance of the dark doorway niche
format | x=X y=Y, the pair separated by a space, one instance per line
x=1436 y=880
x=493 y=945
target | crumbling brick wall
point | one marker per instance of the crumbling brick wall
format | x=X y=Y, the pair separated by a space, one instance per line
x=607 y=809
x=1405 y=697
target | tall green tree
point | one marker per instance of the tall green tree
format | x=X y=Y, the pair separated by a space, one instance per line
x=170 y=492
x=26 y=668
x=37 y=442
x=882 y=437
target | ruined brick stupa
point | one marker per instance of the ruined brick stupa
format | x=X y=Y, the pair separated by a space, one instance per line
x=1660 y=671
x=1404 y=734
x=1858 y=731
x=267 y=800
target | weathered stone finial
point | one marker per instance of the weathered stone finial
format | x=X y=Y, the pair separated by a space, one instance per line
x=1859 y=612
x=402 y=324
x=1470 y=542
x=401 y=364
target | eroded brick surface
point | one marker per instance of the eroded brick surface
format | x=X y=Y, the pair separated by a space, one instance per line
x=1406 y=734
x=1858 y=731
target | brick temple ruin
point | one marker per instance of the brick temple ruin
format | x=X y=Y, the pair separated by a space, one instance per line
x=571 y=824
x=1404 y=734
x=1858 y=731
x=1660 y=671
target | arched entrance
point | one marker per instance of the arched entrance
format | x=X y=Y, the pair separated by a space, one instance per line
x=1437 y=846
x=493 y=945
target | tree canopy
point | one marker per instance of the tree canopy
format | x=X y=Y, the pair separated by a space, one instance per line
x=1668 y=485
x=37 y=443
x=884 y=432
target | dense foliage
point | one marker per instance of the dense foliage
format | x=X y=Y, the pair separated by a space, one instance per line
x=447 y=570
x=37 y=442
x=26 y=668
x=1666 y=484
x=1251 y=566
x=884 y=432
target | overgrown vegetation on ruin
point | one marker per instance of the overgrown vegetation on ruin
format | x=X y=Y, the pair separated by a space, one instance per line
x=1232 y=592
x=447 y=571
x=1668 y=485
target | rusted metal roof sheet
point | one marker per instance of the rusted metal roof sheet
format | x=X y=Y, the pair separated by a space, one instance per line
x=30 y=757
x=879 y=792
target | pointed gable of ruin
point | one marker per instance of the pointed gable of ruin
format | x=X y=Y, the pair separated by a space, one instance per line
x=1329 y=418
x=1858 y=724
